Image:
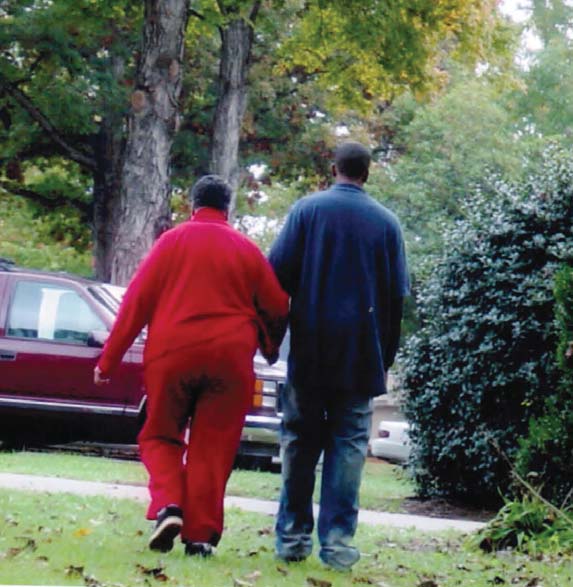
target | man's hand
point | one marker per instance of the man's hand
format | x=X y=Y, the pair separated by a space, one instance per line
x=98 y=378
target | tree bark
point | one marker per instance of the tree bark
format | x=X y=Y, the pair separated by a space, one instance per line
x=144 y=210
x=107 y=192
x=236 y=46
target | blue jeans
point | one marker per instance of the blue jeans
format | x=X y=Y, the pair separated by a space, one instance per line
x=337 y=423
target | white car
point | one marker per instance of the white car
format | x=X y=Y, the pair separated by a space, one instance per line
x=392 y=442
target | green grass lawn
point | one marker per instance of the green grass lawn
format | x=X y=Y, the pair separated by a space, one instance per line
x=57 y=539
x=383 y=486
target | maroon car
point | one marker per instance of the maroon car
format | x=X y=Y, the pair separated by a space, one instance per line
x=52 y=329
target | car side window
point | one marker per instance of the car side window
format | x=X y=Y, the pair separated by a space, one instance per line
x=49 y=312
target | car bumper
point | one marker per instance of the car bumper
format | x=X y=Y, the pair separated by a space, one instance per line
x=393 y=451
x=260 y=437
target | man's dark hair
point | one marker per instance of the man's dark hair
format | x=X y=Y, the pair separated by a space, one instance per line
x=211 y=191
x=352 y=160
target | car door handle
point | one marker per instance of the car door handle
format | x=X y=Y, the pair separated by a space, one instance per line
x=7 y=355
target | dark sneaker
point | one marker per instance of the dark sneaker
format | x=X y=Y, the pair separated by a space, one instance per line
x=167 y=528
x=203 y=549
x=293 y=558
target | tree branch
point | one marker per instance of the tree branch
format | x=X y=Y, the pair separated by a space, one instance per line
x=23 y=101
x=221 y=7
x=196 y=14
x=254 y=11
x=46 y=201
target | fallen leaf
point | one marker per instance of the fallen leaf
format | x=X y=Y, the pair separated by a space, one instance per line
x=73 y=571
x=42 y=559
x=282 y=571
x=428 y=583
x=81 y=532
x=253 y=576
x=12 y=552
x=257 y=551
x=241 y=583
x=534 y=583
x=30 y=543
x=318 y=582
x=497 y=580
x=364 y=580
x=155 y=572
x=265 y=531
x=91 y=581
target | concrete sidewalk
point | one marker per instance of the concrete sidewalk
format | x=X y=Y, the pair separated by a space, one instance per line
x=89 y=488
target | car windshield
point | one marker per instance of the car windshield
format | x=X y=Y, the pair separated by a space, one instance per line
x=108 y=295
x=285 y=347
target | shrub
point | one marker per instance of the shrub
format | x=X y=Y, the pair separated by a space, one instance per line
x=548 y=450
x=483 y=361
x=529 y=525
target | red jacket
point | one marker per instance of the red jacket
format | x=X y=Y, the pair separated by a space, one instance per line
x=201 y=281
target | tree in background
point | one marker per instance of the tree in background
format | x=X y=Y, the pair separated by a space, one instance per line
x=237 y=35
x=441 y=152
x=143 y=206
x=545 y=107
x=483 y=362
x=65 y=71
x=86 y=61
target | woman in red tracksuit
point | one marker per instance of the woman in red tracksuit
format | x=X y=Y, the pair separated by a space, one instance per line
x=209 y=298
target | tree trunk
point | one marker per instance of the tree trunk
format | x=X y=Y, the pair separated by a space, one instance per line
x=144 y=210
x=108 y=152
x=237 y=42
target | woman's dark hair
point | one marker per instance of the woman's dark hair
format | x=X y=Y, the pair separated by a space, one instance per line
x=211 y=191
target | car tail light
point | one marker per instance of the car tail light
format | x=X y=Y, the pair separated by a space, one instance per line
x=265 y=395
x=258 y=395
x=383 y=434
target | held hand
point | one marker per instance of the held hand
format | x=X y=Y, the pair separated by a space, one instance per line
x=98 y=378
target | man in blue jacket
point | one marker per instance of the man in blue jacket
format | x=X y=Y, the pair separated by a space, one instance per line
x=340 y=257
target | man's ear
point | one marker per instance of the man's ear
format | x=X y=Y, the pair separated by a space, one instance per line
x=365 y=178
x=333 y=170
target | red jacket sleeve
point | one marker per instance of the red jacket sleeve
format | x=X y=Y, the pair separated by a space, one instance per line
x=136 y=308
x=272 y=305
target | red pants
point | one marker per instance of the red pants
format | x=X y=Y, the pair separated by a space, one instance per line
x=212 y=387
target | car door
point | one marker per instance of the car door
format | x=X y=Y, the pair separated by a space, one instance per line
x=45 y=351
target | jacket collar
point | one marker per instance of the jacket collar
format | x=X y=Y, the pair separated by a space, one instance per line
x=207 y=214
x=348 y=187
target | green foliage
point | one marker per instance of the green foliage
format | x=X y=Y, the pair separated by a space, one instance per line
x=545 y=108
x=441 y=151
x=261 y=212
x=55 y=242
x=527 y=525
x=368 y=50
x=547 y=452
x=483 y=361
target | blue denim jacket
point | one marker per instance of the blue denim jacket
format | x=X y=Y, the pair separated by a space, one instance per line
x=341 y=258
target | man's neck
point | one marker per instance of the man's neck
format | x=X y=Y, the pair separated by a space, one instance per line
x=343 y=179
